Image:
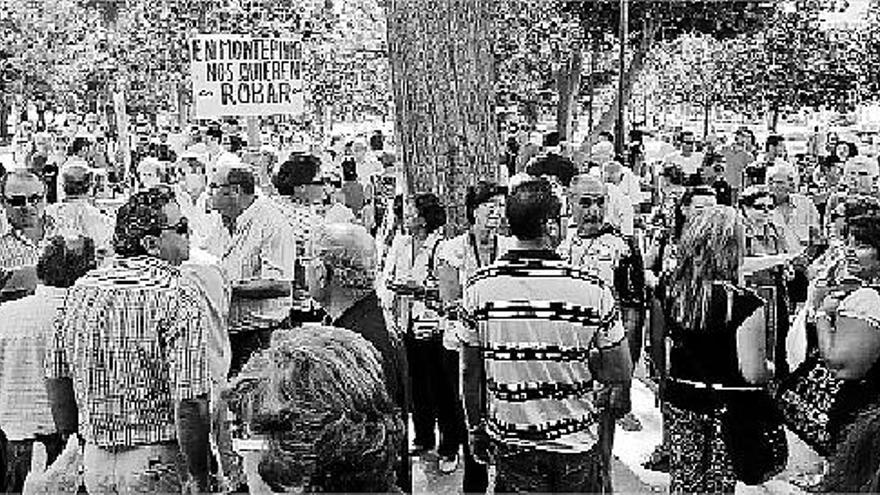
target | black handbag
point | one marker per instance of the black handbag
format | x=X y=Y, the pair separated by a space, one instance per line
x=752 y=429
x=806 y=398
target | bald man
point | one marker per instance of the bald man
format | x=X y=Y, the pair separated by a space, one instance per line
x=341 y=278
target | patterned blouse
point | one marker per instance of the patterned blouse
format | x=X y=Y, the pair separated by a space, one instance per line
x=133 y=338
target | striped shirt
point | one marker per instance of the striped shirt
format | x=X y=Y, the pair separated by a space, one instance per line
x=16 y=251
x=78 y=217
x=537 y=320
x=263 y=245
x=132 y=337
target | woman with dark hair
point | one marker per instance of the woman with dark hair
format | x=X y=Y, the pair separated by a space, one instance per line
x=846 y=313
x=721 y=422
x=431 y=388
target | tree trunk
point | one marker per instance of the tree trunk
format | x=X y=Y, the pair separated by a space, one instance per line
x=569 y=84
x=442 y=79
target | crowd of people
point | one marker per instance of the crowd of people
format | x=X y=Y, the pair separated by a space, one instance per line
x=221 y=316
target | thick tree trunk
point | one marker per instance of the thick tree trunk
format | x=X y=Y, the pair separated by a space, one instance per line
x=442 y=78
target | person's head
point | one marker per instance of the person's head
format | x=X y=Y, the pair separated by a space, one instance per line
x=606 y=136
x=430 y=215
x=711 y=249
x=588 y=204
x=317 y=399
x=745 y=139
x=343 y=265
x=757 y=205
x=845 y=150
x=77 y=181
x=862 y=228
x=377 y=141
x=832 y=140
x=552 y=139
x=80 y=147
x=774 y=147
x=297 y=172
x=359 y=150
x=688 y=142
x=233 y=191
x=693 y=201
x=612 y=172
x=349 y=170
x=533 y=210
x=483 y=206
x=151 y=224
x=195 y=177
x=149 y=172
x=24 y=198
x=65 y=260
x=213 y=137
x=861 y=174
x=782 y=180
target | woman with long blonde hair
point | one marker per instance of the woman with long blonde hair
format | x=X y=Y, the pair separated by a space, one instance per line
x=722 y=424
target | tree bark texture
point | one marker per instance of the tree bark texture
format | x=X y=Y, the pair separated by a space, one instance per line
x=443 y=82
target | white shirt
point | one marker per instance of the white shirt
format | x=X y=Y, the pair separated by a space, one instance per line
x=689 y=164
x=263 y=245
x=78 y=217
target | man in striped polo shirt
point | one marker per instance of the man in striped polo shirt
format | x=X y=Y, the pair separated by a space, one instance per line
x=546 y=332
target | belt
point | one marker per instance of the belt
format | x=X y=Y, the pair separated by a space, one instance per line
x=714 y=386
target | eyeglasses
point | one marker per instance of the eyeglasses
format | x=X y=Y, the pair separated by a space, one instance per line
x=588 y=201
x=20 y=200
x=764 y=207
x=181 y=228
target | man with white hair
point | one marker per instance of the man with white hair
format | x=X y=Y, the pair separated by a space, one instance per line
x=796 y=213
x=341 y=278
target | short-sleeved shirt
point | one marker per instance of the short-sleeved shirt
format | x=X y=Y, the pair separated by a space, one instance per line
x=537 y=321
x=863 y=304
x=598 y=255
x=78 y=217
x=132 y=337
x=263 y=245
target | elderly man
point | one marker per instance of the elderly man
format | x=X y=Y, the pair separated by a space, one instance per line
x=597 y=247
x=132 y=341
x=525 y=309
x=341 y=278
x=25 y=205
x=26 y=331
x=76 y=215
x=794 y=212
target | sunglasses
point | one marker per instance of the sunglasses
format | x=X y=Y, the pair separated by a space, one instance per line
x=20 y=200
x=588 y=201
x=763 y=207
x=181 y=228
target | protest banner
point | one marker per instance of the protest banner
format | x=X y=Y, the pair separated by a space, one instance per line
x=237 y=75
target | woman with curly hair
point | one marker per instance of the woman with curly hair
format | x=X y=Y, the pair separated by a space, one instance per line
x=717 y=363
x=317 y=415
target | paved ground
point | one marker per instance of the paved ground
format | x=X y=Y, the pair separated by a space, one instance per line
x=631 y=449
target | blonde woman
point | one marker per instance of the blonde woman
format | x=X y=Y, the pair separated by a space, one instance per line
x=719 y=416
